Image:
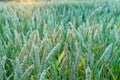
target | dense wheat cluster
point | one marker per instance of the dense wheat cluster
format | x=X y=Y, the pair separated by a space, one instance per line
x=60 y=41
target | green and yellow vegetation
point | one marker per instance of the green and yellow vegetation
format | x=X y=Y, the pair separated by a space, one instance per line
x=60 y=41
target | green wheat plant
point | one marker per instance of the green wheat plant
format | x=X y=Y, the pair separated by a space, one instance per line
x=69 y=40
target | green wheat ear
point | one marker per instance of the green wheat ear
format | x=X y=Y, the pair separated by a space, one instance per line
x=27 y=72
x=34 y=37
x=88 y=74
x=52 y=52
x=1 y=72
x=107 y=53
x=42 y=76
x=117 y=31
x=23 y=52
x=2 y=67
x=37 y=58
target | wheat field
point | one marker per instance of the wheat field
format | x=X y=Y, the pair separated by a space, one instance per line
x=60 y=41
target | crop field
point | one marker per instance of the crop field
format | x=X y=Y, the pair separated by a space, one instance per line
x=75 y=40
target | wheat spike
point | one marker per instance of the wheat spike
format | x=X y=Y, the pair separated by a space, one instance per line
x=52 y=51
x=24 y=76
x=42 y=76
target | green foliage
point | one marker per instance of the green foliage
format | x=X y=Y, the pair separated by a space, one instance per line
x=60 y=41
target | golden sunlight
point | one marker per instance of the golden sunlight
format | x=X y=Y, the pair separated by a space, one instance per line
x=28 y=1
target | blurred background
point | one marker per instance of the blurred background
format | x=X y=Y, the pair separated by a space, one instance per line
x=25 y=0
